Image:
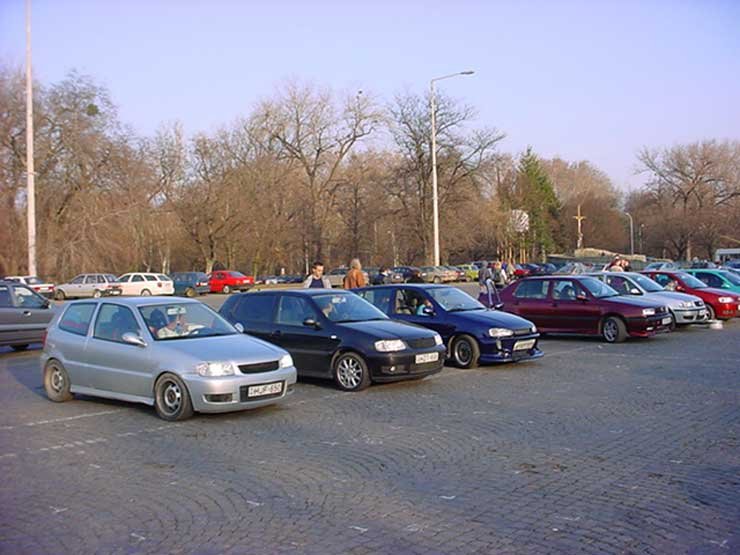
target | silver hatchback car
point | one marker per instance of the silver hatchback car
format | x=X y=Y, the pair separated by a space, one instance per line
x=178 y=355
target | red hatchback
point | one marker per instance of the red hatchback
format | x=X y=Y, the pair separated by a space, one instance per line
x=584 y=305
x=721 y=304
x=226 y=281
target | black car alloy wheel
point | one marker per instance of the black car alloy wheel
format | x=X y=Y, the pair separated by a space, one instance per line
x=350 y=372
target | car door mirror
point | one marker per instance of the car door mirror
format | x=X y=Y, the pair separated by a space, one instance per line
x=311 y=323
x=133 y=339
x=239 y=327
x=635 y=291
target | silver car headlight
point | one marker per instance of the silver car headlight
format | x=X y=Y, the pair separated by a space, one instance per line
x=500 y=332
x=648 y=312
x=215 y=369
x=687 y=304
x=726 y=300
x=286 y=361
x=437 y=339
x=390 y=345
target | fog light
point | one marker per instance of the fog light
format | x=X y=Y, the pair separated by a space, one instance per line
x=219 y=398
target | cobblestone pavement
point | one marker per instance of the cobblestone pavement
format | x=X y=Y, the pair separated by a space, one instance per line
x=595 y=448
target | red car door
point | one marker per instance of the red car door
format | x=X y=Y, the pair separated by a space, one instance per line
x=217 y=282
x=529 y=300
x=573 y=310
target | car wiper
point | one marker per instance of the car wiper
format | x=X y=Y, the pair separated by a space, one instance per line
x=461 y=309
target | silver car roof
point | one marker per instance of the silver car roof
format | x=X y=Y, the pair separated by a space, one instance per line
x=139 y=301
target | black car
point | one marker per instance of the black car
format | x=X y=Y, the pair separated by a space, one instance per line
x=24 y=315
x=339 y=335
x=472 y=332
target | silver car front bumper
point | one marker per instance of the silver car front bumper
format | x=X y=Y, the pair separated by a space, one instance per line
x=232 y=392
x=690 y=315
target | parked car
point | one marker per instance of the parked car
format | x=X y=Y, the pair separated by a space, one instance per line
x=684 y=308
x=146 y=283
x=407 y=271
x=574 y=269
x=584 y=305
x=662 y=266
x=459 y=272
x=437 y=274
x=34 y=282
x=176 y=354
x=190 y=284
x=24 y=315
x=471 y=332
x=226 y=281
x=89 y=285
x=471 y=271
x=702 y=264
x=338 y=335
x=720 y=303
x=719 y=279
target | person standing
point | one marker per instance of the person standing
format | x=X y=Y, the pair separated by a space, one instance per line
x=499 y=275
x=415 y=277
x=317 y=278
x=354 y=278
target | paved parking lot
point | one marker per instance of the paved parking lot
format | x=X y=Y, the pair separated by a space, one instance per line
x=629 y=448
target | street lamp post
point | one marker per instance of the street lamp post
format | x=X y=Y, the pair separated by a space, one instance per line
x=632 y=233
x=30 y=184
x=435 y=196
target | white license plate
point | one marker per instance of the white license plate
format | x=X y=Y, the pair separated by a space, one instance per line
x=265 y=389
x=665 y=321
x=427 y=357
x=524 y=345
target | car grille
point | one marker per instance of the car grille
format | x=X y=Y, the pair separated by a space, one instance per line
x=422 y=343
x=522 y=331
x=259 y=367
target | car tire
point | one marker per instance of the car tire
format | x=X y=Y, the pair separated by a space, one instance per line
x=226 y=290
x=614 y=330
x=171 y=398
x=190 y=292
x=351 y=372
x=711 y=315
x=437 y=279
x=19 y=348
x=465 y=351
x=59 y=295
x=672 y=326
x=145 y=292
x=56 y=382
x=97 y=294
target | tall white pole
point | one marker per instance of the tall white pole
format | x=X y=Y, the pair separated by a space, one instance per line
x=435 y=197
x=31 y=189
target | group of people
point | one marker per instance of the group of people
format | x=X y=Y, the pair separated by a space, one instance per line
x=354 y=278
x=620 y=264
x=491 y=278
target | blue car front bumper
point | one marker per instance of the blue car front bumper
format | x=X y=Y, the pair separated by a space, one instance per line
x=509 y=349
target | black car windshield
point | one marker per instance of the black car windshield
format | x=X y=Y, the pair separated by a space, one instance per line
x=184 y=321
x=347 y=308
x=597 y=288
x=691 y=281
x=646 y=283
x=454 y=300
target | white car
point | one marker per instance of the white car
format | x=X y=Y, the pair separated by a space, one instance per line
x=144 y=284
x=35 y=283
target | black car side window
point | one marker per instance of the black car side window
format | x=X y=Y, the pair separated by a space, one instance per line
x=255 y=308
x=293 y=311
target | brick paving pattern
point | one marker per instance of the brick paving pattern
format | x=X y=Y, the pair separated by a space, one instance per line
x=595 y=448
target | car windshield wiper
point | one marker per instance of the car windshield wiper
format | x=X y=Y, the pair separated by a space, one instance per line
x=465 y=309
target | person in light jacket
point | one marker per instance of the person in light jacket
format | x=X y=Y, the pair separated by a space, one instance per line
x=317 y=278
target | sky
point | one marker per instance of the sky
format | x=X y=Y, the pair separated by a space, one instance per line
x=584 y=80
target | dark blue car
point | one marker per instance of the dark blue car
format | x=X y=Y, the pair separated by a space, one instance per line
x=471 y=332
x=190 y=284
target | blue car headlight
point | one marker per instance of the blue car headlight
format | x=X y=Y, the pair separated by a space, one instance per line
x=500 y=332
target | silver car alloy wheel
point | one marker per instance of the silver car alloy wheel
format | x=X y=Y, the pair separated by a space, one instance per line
x=171 y=397
x=610 y=330
x=57 y=379
x=349 y=372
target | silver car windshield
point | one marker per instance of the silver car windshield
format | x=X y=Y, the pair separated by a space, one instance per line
x=454 y=300
x=172 y=321
x=598 y=289
x=646 y=283
x=348 y=308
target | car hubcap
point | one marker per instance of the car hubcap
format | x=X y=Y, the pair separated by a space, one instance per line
x=145 y=292
x=96 y=294
x=463 y=352
x=171 y=397
x=349 y=372
x=57 y=380
x=610 y=330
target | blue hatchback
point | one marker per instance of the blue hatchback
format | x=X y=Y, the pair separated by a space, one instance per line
x=471 y=332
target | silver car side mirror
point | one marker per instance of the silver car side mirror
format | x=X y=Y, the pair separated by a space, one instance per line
x=133 y=339
x=239 y=327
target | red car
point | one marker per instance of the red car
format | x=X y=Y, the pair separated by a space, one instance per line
x=721 y=304
x=584 y=305
x=226 y=281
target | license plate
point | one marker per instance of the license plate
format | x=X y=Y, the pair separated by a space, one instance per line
x=427 y=357
x=524 y=345
x=665 y=321
x=265 y=389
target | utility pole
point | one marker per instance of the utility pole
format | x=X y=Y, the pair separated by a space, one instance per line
x=31 y=186
x=632 y=233
x=579 y=219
